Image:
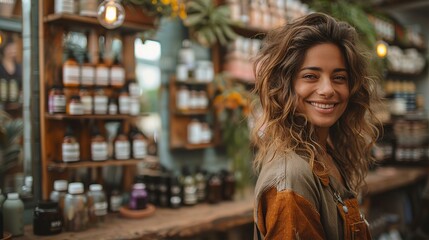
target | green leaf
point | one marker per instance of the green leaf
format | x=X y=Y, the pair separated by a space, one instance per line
x=193 y=19
x=220 y=35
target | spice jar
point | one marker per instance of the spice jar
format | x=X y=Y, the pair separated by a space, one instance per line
x=47 y=219
x=56 y=100
x=75 y=106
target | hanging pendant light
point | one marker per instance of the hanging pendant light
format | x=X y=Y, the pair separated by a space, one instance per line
x=111 y=14
x=381 y=48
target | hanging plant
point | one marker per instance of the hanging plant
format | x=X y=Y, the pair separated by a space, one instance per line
x=208 y=23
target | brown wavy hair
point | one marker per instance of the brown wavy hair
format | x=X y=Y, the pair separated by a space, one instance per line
x=279 y=128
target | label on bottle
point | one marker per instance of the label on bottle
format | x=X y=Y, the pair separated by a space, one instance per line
x=71 y=152
x=71 y=75
x=124 y=104
x=13 y=90
x=3 y=90
x=122 y=149
x=100 y=208
x=117 y=76
x=190 y=195
x=115 y=203
x=99 y=151
x=101 y=76
x=139 y=148
x=57 y=104
x=100 y=104
x=87 y=104
x=75 y=108
x=88 y=75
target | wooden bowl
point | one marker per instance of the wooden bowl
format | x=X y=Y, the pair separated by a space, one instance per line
x=136 y=214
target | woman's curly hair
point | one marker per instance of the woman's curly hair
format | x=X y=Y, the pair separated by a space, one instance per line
x=280 y=128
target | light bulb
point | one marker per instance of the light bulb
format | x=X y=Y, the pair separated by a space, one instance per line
x=111 y=14
x=381 y=49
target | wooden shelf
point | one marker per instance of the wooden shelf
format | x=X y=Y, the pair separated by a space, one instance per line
x=192 y=112
x=198 y=146
x=192 y=82
x=60 y=166
x=71 y=20
x=91 y=116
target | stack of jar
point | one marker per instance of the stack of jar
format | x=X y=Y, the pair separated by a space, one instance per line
x=82 y=7
x=403 y=97
x=9 y=90
x=198 y=132
x=123 y=147
x=170 y=190
x=187 y=99
x=94 y=101
x=411 y=145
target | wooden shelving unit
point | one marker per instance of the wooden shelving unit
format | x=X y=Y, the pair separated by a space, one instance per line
x=53 y=27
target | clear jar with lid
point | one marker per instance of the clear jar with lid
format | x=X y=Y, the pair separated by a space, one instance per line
x=56 y=100
x=86 y=99
x=100 y=101
x=75 y=106
x=75 y=208
x=47 y=219
x=97 y=204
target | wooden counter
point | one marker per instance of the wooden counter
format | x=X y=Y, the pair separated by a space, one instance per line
x=191 y=221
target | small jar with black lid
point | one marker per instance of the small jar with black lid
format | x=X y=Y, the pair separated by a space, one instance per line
x=47 y=219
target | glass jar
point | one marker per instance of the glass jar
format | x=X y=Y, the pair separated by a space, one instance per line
x=70 y=147
x=86 y=99
x=47 y=219
x=139 y=143
x=183 y=98
x=138 y=198
x=87 y=72
x=75 y=208
x=75 y=106
x=122 y=146
x=124 y=102
x=99 y=149
x=101 y=72
x=71 y=75
x=100 y=101
x=117 y=74
x=97 y=204
x=113 y=107
x=56 y=100
x=59 y=192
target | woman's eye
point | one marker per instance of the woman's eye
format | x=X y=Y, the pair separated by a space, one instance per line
x=310 y=76
x=340 y=78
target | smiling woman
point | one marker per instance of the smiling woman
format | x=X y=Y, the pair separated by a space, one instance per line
x=315 y=133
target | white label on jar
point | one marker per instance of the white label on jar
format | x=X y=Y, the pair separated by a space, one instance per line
x=13 y=90
x=87 y=104
x=57 y=104
x=71 y=75
x=134 y=89
x=88 y=75
x=102 y=76
x=3 y=90
x=117 y=76
x=99 y=151
x=139 y=148
x=124 y=104
x=134 y=106
x=71 y=152
x=100 y=208
x=122 y=149
x=75 y=109
x=100 y=104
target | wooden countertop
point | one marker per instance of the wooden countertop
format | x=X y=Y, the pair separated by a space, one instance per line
x=190 y=221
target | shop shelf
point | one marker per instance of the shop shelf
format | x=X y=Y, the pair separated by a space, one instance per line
x=89 y=116
x=60 y=166
x=198 y=146
x=192 y=112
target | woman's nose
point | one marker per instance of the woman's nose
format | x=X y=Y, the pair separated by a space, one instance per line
x=325 y=88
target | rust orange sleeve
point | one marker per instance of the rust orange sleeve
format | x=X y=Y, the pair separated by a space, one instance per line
x=287 y=215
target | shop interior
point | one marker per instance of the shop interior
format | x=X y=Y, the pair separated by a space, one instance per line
x=142 y=107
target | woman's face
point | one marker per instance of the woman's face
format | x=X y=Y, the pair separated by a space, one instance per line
x=321 y=85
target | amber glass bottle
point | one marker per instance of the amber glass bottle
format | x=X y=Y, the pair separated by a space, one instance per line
x=71 y=75
x=117 y=74
x=122 y=145
x=99 y=149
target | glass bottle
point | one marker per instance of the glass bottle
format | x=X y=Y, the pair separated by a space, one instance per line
x=100 y=101
x=115 y=200
x=139 y=197
x=97 y=204
x=183 y=98
x=122 y=145
x=13 y=214
x=75 y=106
x=189 y=188
x=101 y=72
x=57 y=100
x=13 y=90
x=228 y=185
x=201 y=182
x=175 y=192
x=70 y=147
x=87 y=72
x=133 y=88
x=71 y=71
x=117 y=74
x=214 y=189
x=139 y=143
x=59 y=193
x=124 y=101
x=134 y=105
x=47 y=219
x=3 y=90
x=75 y=208
x=187 y=57
x=99 y=149
x=163 y=190
x=113 y=107
x=194 y=131
x=86 y=99
x=88 y=8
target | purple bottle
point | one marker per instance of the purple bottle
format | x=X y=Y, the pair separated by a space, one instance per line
x=139 y=197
